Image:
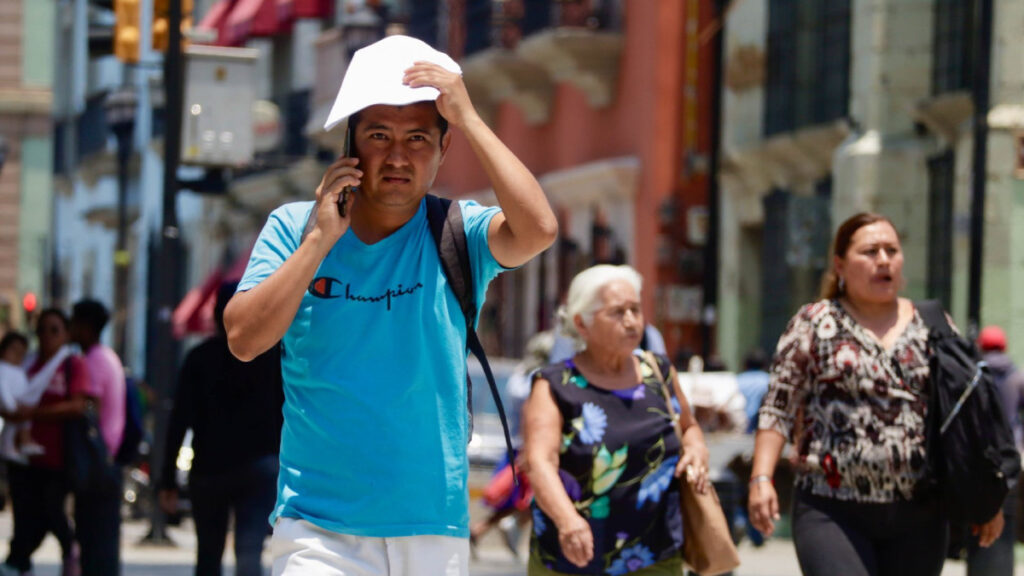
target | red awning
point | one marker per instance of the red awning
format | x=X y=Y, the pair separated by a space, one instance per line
x=214 y=17
x=194 y=314
x=250 y=18
x=313 y=8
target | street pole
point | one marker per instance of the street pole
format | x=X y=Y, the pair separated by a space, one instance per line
x=167 y=289
x=709 y=315
x=979 y=168
x=120 y=110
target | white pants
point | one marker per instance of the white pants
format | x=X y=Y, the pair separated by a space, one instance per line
x=300 y=548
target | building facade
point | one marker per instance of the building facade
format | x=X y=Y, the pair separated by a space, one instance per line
x=840 y=106
x=26 y=98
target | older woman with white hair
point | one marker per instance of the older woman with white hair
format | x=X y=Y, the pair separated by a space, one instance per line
x=601 y=452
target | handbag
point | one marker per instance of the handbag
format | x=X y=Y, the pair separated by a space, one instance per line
x=707 y=541
x=88 y=467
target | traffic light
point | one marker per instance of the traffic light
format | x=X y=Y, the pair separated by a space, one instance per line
x=126 y=30
x=162 y=27
x=29 y=303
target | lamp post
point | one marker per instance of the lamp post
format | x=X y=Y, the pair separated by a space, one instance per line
x=120 y=114
x=4 y=147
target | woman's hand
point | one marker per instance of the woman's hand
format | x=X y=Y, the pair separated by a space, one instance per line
x=989 y=531
x=694 y=464
x=763 y=506
x=577 y=541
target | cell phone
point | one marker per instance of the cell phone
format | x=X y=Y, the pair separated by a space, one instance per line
x=346 y=152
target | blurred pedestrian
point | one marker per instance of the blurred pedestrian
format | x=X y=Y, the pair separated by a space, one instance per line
x=98 y=513
x=714 y=396
x=39 y=489
x=753 y=384
x=503 y=496
x=234 y=411
x=17 y=392
x=374 y=469
x=854 y=366
x=998 y=559
x=602 y=454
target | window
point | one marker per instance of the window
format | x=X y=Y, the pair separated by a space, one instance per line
x=808 y=67
x=952 y=69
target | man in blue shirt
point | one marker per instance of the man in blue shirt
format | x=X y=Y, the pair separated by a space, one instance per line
x=753 y=383
x=373 y=475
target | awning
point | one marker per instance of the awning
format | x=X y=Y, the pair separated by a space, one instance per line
x=214 y=18
x=194 y=314
x=250 y=18
x=285 y=10
x=313 y=8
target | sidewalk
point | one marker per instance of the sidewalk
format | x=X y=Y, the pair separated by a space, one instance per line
x=775 y=558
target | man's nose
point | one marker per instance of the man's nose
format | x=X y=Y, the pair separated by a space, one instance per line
x=397 y=155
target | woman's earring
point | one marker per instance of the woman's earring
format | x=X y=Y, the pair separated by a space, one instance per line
x=842 y=285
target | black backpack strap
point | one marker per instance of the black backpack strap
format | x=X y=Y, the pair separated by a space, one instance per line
x=449 y=232
x=934 y=317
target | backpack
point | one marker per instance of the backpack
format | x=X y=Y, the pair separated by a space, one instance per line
x=131 y=440
x=971 y=456
x=449 y=232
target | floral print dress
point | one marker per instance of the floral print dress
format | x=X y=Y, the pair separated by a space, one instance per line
x=618 y=455
x=854 y=410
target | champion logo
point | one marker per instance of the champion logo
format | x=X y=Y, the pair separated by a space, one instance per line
x=323 y=287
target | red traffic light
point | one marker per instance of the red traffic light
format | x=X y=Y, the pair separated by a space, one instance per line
x=29 y=302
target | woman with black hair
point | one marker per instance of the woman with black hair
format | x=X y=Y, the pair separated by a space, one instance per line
x=39 y=488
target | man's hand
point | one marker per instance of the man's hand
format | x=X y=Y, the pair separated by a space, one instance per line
x=341 y=174
x=989 y=531
x=169 y=501
x=453 y=103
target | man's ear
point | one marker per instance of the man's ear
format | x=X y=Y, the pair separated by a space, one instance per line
x=446 y=142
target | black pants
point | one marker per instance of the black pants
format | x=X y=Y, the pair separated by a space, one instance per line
x=906 y=538
x=37 y=503
x=249 y=494
x=98 y=526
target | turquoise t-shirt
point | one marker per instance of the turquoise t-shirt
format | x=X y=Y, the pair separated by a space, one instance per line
x=374 y=365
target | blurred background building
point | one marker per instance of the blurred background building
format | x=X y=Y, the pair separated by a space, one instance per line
x=26 y=156
x=824 y=108
x=837 y=106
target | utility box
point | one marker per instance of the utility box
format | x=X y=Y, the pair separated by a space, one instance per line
x=217 y=122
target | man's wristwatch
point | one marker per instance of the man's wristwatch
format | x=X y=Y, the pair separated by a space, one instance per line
x=761 y=478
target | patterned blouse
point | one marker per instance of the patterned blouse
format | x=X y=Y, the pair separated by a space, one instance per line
x=617 y=459
x=854 y=410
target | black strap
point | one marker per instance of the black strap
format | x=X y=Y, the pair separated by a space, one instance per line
x=934 y=317
x=449 y=232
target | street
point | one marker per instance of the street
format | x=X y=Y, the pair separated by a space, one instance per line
x=776 y=558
